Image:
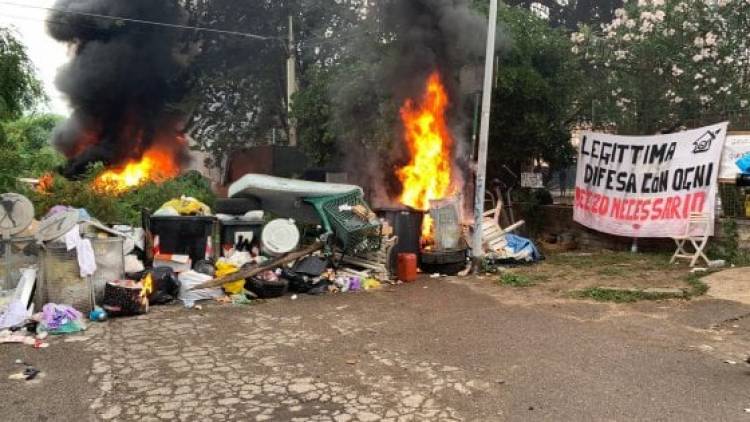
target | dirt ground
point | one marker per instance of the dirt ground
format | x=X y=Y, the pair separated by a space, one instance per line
x=732 y=284
x=563 y=273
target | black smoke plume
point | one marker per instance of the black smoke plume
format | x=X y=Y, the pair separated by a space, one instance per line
x=414 y=38
x=443 y=35
x=120 y=81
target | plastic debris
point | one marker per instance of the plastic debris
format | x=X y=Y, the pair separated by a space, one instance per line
x=27 y=374
x=189 y=279
x=60 y=319
x=355 y=284
x=718 y=263
x=98 y=314
x=185 y=206
x=224 y=268
x=371 y=284
x=241 y=299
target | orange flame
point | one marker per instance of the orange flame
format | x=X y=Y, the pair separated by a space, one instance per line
x=156 y=165
x=147 y=287
x=428 y=175
x=45 y=183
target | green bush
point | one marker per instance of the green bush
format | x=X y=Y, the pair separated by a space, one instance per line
x=125 y=208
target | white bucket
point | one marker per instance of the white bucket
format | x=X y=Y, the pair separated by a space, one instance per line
x=280 y=237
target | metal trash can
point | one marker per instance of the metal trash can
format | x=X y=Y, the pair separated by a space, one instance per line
x=61 y=277
x=24 y=253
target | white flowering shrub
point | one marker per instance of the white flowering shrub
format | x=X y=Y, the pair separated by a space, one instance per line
x=660 y=64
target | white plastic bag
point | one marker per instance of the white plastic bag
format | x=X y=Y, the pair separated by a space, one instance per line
x=189 y=279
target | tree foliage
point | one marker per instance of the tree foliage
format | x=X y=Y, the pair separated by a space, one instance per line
x=19 y=87
x=21 y=148
x=25 y=149
x=659 y=65
x=122 y=209
x=240 y=82
x=533 y=101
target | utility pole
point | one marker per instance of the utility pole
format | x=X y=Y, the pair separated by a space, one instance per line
x=484 y=134
x=291 y=83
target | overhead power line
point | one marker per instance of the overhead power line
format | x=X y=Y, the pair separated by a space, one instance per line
x=145 y=22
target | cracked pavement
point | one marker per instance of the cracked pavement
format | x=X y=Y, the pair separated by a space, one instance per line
x=446 y=350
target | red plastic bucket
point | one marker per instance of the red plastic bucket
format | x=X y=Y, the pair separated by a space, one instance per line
x=407 y=267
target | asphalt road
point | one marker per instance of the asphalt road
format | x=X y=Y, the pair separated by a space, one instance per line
x=433 y=350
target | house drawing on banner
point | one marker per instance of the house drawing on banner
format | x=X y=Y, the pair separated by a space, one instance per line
x=703 y=143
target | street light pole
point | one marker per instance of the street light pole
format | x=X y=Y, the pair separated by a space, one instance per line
x=484 y=134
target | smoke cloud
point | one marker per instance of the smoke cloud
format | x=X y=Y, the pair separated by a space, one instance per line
x=444 y=35
x=422 y=36
x=120 y=81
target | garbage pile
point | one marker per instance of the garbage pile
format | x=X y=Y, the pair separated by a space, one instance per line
x=273 y=237
x=185 y=253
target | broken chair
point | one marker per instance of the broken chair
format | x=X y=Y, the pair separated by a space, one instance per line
x=493 y=235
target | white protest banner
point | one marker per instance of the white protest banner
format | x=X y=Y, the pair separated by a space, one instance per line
x=736 y=157
x=647 y=186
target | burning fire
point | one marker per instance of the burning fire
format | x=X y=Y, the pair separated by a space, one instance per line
x=156 y=165
x=428 y=175
x=147 y=287
x=45 y=183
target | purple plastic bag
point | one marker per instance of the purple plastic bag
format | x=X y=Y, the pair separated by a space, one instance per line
x=55 y=316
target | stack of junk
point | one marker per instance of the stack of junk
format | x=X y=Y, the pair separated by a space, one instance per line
x=271 y=237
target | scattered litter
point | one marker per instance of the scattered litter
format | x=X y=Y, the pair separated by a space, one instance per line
x=23 y=339
x=127 y=297
x=294 y=297
x=436 y=275
x=188 y=296
x=371 y=284
x=718 y=263
x=240 y=299
x=698 y=270
x=28 y=374
x=731 y=362
x=98 y=314
x=60 y=319
x=351 y=362
x=185 y=206
x=178 y=263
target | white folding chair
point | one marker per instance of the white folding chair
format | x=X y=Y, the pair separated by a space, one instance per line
x=493 y=236
x=696 y=233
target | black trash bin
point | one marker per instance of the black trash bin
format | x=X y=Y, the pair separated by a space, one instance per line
x=407 y=225
x=183 y=235
x=232 y=231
